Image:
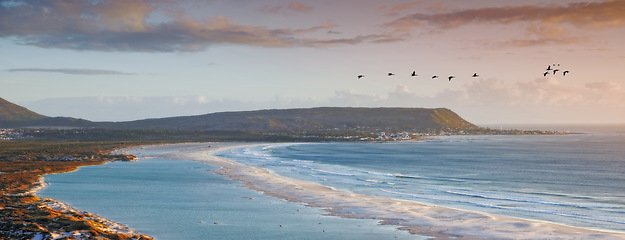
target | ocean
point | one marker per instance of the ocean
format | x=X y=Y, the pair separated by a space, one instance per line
x=174 y=199
x=575 y=179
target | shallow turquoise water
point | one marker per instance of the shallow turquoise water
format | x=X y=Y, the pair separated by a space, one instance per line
x=173 y=199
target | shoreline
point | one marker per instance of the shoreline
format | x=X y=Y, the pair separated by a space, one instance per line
x=99 y=223
x=433 y=221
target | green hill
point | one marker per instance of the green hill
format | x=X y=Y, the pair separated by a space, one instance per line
x=274 y=120
x=12 y=112
x=310 y=119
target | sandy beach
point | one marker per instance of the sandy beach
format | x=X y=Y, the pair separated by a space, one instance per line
x=100 y=223
x=435 y=221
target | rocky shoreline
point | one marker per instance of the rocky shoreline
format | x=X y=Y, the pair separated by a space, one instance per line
x=99 y=223
x=23 y=215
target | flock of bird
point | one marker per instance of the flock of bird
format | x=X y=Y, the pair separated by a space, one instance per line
x=414 y=74
x=549 y=71
x=555 y=70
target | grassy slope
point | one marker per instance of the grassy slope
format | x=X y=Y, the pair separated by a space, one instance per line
x=13 y=112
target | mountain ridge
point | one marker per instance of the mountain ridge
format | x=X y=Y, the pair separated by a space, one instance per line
x=267 y=120
x=13 y=112
x=307 y=119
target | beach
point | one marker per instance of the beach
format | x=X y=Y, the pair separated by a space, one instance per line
x=100 y=224
x=428 y=220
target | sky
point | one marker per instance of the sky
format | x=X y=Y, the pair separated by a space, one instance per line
x=121 y=60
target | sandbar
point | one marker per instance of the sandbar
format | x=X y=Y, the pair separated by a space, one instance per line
x=427 y=220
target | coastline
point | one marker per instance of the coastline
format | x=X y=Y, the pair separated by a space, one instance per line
x=434 y=221
x=98 y=223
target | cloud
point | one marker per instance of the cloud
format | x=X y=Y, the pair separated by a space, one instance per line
x=397 y=9
x=124 y=25
x=323 y=26
x=70 y=71
x=292 y=7
x=585 y=14
x=354 y=98
x=544 y=100
x=298 y=7
x=373 y=38
x=604 y=86
x=549 y=24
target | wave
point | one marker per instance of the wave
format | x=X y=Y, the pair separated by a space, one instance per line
x=609 y=216
x=528 y=199
x=333 y=172
x=337 y=167
x=302 y=161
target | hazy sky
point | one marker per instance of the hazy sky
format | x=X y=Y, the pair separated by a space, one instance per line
x=121 y=60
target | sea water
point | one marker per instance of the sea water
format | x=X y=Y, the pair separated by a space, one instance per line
x=175 y=199
x=576 y=179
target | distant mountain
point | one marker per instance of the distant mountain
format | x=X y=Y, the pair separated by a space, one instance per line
x=13 y=116
x=275 y=120
x=13 y=112
x=310 y=119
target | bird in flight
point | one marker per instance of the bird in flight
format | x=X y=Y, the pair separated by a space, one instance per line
x=450 y=77
x=414 y=74
x=475 y=75
x=555 y=68
x=361 y=76
x=390 y=74
x=435 y=76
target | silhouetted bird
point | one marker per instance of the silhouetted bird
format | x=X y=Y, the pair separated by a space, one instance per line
x=545 y=74
x=434 y=76
x=390 y=74
x=555 y=71
x=475 y=75
x=414 y=74
x=450 y=77
x=565 y=72
x=360 y=76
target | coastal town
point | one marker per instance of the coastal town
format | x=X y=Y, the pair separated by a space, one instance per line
x=354 y=134
x=12 y=134
x=399 y=135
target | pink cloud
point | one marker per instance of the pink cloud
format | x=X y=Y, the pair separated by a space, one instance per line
x=584 y=14
x=545 y=24
x=397 y=9
x=539 y=93
x=298 y=7
x=324 y=26
x=292 y=7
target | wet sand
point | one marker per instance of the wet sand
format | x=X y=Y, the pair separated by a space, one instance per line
x=435 y=221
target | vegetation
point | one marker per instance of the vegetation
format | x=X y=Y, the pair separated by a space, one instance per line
x=275 y=120
x=68 y=143
x=23 y=162
x=147 y=135
x=309 y=119
x=12 y=112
